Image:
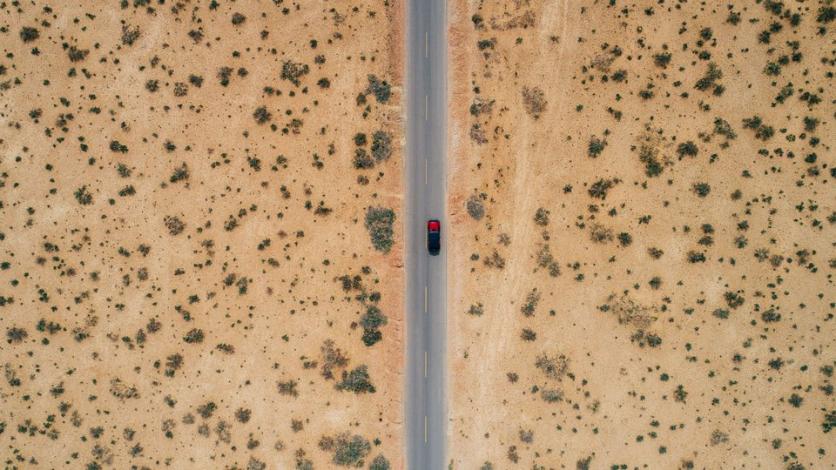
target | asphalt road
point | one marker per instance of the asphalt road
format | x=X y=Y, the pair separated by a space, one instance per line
x=426 y=297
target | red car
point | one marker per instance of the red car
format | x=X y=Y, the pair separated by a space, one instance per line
x=434 y=236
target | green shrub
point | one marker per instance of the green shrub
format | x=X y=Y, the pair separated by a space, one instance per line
x=371 y=336
x=261 y=115
x=477 y=309
x=28 y=34
x=293 y=71
x=662 y=59
x=722 y=127
x=770 y=316
x=129 y=34
x=829 y=421
x=362 y=159
x=534 y=101
x=83 y=196
x=379 y=222
x=475 y=208
x=349 y=451
x=687 y=149
x=554 y=367
x=381 y=89
x=373 y=318
x=721 y=313
x=595 y=147
x=180 y=173
x=332 y=358
x=380 y=463
x=531 y=301
x=599 y=189
x=195 y=335
x=541 y=217
x=701 y=189
x=710 y=78
x=551 y=396
x=357 y=381
x=381 y=145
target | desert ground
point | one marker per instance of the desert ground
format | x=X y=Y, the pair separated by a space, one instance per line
x=642 y=209
x=200 y=240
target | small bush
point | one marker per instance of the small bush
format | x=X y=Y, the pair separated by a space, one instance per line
x=599 y=189
x=595 y=147
x=701 y=189
x=541 y=217
x=829 y=422
x=261 y=115
x=718 y=437
x=29 y=34
x=554 y=367
x=534 y=101
x=381 y=145
x=696 y=257
x=83 y=196
x=379 y=222
x=770 y=316
x=481 y=106
x=349 y=451
x=195 y=335
x=129 y=35
x=362 y=159
x=531 y=301
x=332 y=358
x=475 y=208
x=174 y=225
x=710 y=78
x=373 y=318
x=380 y=463
x=371 y=336
x=357 y=381
x=180 y=173
x=288 y=388
x=600 y=234
x=238 y=19
x=551 y=396
x=477 y=309
x=687 y=149
x=662 y=59
x=625 y=239
x=77 y=55
x=381 y=89
x=16 y=335
x=294 y=71
x=722 y=127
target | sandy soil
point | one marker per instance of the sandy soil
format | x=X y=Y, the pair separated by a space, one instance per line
x=180 y=204
x=642 y=244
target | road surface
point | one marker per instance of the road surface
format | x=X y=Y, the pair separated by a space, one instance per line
x=426 y=300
